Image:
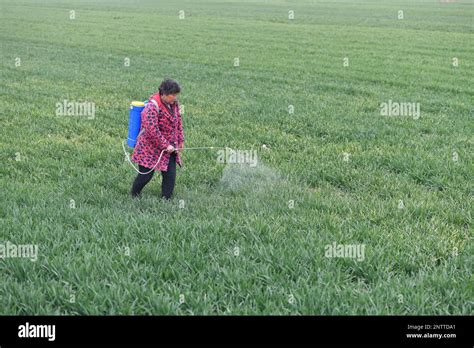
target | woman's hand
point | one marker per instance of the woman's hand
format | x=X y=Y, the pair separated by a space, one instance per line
x=170 y=149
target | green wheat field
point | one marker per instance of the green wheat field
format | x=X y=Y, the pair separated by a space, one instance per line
x=304 y=78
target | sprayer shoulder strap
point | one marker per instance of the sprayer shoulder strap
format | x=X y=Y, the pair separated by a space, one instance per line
x=158 y=110
x=155 y=103
x=171 y=112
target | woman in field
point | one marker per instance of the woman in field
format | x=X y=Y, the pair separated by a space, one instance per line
x=161 y=129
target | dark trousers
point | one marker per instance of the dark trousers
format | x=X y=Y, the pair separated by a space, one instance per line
x=167 y=183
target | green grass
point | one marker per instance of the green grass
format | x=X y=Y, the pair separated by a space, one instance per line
x=418 y=260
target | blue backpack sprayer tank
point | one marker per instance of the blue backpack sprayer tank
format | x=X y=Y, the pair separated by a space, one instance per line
x=134 y=122
x=134 y=126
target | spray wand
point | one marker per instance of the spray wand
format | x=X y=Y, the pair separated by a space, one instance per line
x=162 y=151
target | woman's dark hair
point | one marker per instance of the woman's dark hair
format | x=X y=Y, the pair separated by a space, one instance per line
x=169 y=86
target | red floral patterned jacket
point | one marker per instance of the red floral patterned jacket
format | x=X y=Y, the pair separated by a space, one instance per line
x=159 y=128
